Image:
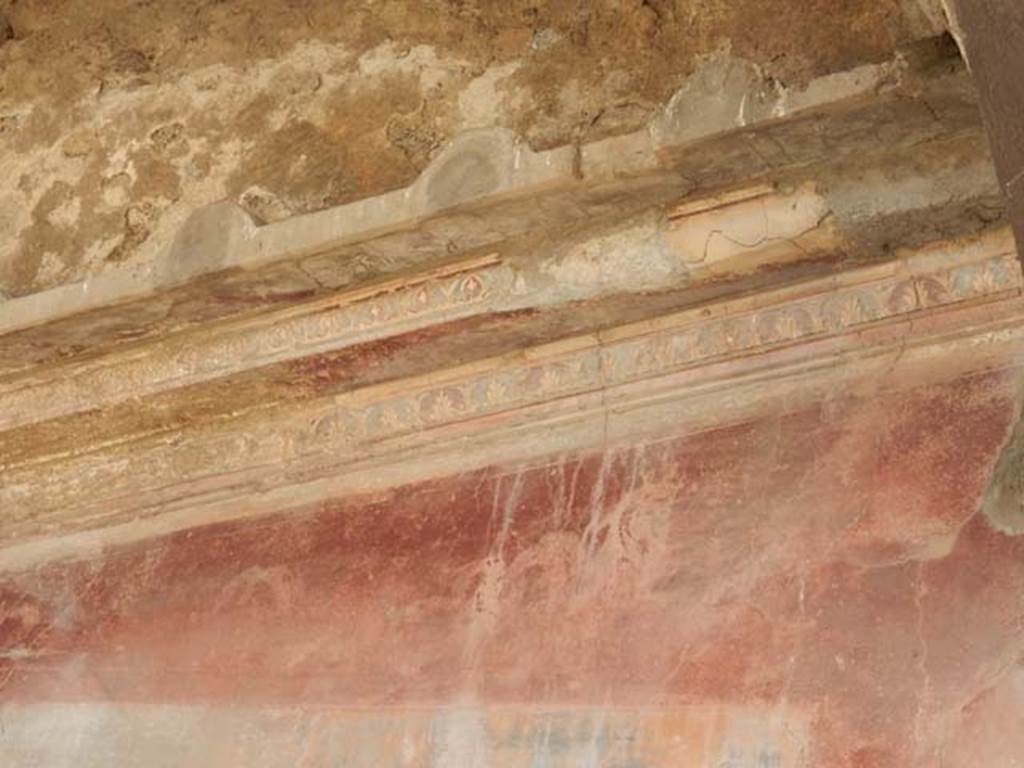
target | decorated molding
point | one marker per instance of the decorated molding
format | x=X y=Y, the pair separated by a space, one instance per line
x=622 y=364
x=441 y=294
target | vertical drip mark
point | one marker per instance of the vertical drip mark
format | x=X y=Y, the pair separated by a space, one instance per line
x=920 y=592
x=485 y=606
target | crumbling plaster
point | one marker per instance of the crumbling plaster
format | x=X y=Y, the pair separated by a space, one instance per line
x=118 y=119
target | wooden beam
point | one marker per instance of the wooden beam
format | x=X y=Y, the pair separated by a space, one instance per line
x=991 y=33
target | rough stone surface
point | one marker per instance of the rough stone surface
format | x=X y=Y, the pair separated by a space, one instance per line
x=118 y=119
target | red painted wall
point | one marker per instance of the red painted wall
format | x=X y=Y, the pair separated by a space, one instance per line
x=816 y=588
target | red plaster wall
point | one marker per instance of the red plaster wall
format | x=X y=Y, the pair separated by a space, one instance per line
x=817 y=588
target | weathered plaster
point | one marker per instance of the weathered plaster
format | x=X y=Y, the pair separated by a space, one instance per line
x=118 y=119
x=894 y=141
x=437 y=384
x=808 y=588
